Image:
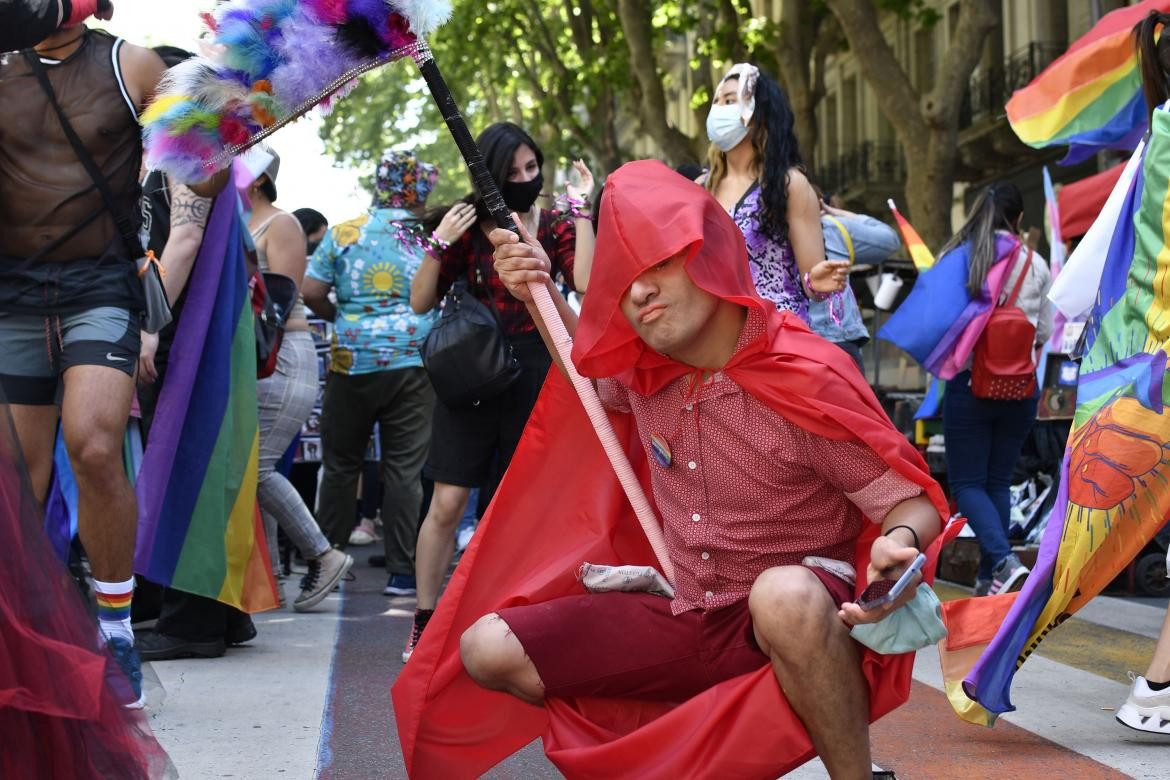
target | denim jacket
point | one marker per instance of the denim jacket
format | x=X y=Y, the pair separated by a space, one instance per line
x=873 y=241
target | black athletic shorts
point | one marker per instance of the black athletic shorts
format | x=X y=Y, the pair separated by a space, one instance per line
x=38 y=348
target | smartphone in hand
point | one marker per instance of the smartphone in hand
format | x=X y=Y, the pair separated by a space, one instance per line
x=882 y=592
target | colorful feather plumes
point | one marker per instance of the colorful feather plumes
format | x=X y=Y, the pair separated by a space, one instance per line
x=266 y=63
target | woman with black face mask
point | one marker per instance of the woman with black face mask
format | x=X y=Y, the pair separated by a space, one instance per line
x=471 y=447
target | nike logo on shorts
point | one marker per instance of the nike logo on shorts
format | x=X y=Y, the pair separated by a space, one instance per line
x=114 y=358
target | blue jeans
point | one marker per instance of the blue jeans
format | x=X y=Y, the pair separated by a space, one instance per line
x=983 y=440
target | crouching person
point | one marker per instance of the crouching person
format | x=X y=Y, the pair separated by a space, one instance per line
x=768 y=456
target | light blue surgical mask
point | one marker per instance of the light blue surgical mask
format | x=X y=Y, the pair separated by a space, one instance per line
x=724 y=127
x=917 y=624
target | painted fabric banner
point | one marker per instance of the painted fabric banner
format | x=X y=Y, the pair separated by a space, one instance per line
x=1113 y=496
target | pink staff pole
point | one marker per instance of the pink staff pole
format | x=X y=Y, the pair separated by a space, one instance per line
x=548 y=311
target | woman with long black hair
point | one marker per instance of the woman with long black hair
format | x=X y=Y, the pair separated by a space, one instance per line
x=472 y=447
x=756 y=173
x=984 y=437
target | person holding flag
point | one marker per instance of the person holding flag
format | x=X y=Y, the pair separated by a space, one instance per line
x=1147 y=708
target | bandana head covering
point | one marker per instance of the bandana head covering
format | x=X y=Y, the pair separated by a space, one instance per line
x=402 y=181
x=648 y=214
x=747 y=76
x=79 y=11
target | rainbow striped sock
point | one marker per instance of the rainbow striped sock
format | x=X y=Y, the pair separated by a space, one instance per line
x=113 y=603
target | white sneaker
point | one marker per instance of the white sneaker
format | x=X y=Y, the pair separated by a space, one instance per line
x=1146 y=710
x=1008 y=576
x=323 y=574
x=363 y=534
x=464 y=538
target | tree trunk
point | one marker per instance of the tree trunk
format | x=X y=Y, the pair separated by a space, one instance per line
x=704 y=80
x=792 y=58
x=930 y=187
x=635 y=19
x=926 y=127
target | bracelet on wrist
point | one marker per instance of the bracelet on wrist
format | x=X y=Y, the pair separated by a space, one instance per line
x=917 y=544
x=438 y=242
x=578 y=208
x=811 y=293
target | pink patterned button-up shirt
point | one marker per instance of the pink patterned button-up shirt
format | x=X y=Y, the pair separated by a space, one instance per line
x=745 y=489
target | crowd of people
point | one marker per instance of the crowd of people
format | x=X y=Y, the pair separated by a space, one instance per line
x=704 y=297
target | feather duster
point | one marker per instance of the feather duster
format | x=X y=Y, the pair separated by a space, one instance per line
x=267 y=62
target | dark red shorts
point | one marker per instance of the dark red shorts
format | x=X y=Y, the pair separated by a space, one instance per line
x=630 y=645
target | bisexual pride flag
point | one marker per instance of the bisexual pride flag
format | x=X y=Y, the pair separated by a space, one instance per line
x=1115 y=480
x=199 y=526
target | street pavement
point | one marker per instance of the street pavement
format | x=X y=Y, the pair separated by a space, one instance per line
x=310 y=697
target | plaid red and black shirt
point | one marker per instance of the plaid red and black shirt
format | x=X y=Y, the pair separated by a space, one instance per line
x=471 y=257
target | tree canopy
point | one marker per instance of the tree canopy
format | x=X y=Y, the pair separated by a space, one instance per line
x=592 y=79
x=586 y=79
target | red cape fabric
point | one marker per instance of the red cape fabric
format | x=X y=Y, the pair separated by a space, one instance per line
x=560 y=504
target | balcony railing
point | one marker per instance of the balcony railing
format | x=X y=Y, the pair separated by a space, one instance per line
x=989 y=90
x=872 y=162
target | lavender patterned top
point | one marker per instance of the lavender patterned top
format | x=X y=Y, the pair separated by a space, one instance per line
x=772 y=262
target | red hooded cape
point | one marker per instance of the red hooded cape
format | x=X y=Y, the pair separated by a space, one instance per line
x=560 y=504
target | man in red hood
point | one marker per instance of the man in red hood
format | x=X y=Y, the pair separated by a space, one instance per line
x=768 y=453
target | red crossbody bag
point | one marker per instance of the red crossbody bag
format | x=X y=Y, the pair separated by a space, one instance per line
x=1005 y=355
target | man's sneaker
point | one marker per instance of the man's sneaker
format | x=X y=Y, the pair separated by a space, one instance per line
x=1008 y=576
x=126 y=678
x=1146 y=710
x=364 y=533
x=412 y=642
x=399 y=585
x=153 y=646
x=982 y=587
x=323 y=574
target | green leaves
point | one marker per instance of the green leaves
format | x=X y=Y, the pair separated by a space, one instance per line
x=560 y=69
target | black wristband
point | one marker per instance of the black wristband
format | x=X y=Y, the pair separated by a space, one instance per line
x=917 y=544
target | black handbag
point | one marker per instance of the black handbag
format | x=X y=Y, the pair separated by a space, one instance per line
x=158 y=309
x=273 y=298
x=465 y=354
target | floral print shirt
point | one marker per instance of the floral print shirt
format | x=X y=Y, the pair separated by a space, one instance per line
x=772 y=262
x=370 y=262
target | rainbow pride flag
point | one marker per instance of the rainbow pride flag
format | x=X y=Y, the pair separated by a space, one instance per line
x=919 y=253
x=199 y=526
x=1090 y=98
x=1113 y=487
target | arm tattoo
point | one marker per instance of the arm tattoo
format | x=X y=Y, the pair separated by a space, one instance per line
x=187 y=208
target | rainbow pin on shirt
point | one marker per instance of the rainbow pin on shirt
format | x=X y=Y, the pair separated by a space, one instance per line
x=660 y=450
